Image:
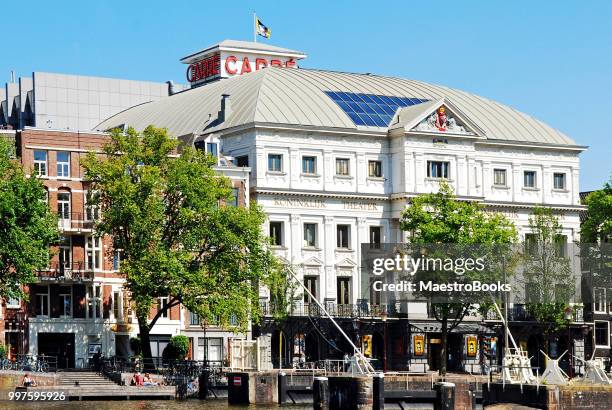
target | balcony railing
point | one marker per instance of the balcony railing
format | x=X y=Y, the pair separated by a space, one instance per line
x=360 y=310
x=520 y=313
x=74 y=222
x=74 y=271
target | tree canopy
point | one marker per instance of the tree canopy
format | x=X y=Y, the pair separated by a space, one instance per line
x=27 y=226
x=441 y=219
x=598 y=225
x=179 y=237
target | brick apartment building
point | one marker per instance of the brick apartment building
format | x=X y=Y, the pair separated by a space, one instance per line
x=79 y=304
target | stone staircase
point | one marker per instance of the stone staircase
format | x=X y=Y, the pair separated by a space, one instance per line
x=84 y=379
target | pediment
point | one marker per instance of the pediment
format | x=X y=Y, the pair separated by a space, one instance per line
x=346 y=263
x=439 y=117
x=312 y=261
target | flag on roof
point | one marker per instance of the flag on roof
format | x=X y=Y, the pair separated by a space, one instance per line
x=262 y=30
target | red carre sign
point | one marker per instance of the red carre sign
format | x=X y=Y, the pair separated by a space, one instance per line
x=204 y=69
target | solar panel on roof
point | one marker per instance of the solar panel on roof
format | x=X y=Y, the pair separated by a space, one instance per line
x=370 y=109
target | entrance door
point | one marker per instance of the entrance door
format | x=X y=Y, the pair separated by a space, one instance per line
x=455 y=352
x=59 y=345
x=435 y=345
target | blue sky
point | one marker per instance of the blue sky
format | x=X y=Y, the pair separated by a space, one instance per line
x=552 y=60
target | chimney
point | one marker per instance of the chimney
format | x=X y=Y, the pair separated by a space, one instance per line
x=226 y=108
x=170 y=87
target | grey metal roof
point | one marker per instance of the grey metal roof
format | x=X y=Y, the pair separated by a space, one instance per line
x=297 y=97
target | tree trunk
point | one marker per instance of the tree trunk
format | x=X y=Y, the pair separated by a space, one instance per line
x=145 y=343
x=443 y=355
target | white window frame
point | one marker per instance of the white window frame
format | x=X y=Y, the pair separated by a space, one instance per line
x=316 y=235
x=63 y=167
x=281 y=165
x=39 y=163
x=62 y=297
x=40 y=296
x=348 y=236
x=595 y=332
x=306 y=159
x=96 y=248
x=340 y=160
x=503 y=172
x=380 y=167
x=117 y=305
x=93 y=296
x=161 y=302
x=599 y=299
x=13 y=303
x=444 y=166
x=92 y=212
x=281 y=229
x=66 y=247
x=535 y=179
x=563 y=178
x=62 y=215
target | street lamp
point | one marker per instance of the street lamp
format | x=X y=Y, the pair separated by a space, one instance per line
x=383 y=316
x=567 y=315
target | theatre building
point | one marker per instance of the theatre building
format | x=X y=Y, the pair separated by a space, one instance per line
x=335 y=157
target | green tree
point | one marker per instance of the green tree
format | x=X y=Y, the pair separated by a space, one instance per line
x=598 y=225
x=548 y=279
x=167 y=215
x=177 y=348
x=27 y=227
x=438 y=219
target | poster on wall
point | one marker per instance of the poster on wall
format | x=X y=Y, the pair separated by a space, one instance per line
x=299 y=344
x=367 y=345
x=472 y=346
x=419 y=345
x=94 y=348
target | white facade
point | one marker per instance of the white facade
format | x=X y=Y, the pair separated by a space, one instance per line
x=362 y=201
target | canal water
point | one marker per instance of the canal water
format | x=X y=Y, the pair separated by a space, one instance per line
x=132 y=405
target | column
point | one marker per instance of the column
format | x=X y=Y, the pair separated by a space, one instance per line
x=546 y=184
x=361 y=237
x=517 y=182
x=575 y=185
x=293 y=167
x=486 y=179
x=261 y=167
x=361 y=171
x=462 y=176
x=419 y=172
x=329 y=245
x=328 y=169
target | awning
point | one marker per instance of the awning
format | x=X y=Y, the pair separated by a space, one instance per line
x=436 y=327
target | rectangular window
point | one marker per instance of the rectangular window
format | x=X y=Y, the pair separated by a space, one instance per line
x=343 y=290
x=499 y=177
x=94 y=302
x=599 y=300
x=194 y=319
x=212 y=148
x=275 y=162
x=63 y=205
x=116 y=260
x=93 y=251
x=529 y=179
x=561 y=246
x=63 y=164
x=13 y=303
x=40 y=163
x=309 y=165
x=42 y=304
x=311 y=284
x=234 y=200
x=65 y=252
x=242 y=161
x=310 y=235
x=438 y=169
x=342 y=166
x=559 y=180
x=210 y=349
x=162 y=303
x=375 y=237
x=117 y=305
x=342 y=236
x=375 y=169
x=276 y=233
x=66 y=299
x=531 y=243
x=602 y=333
x=92 y=211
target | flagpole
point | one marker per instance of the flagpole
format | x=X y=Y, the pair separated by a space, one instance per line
x=254 y=27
